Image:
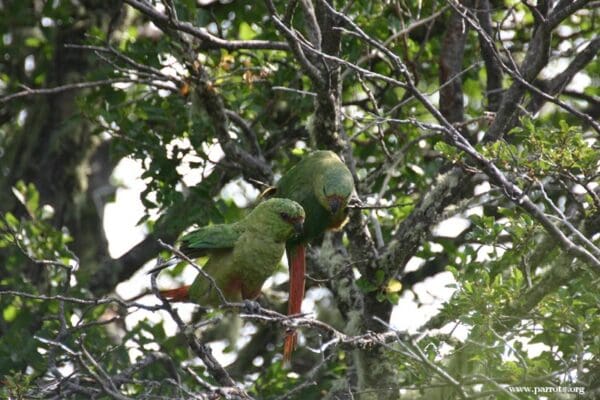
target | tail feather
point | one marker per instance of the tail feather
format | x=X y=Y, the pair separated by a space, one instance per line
x=179 y=294
x=297 y=273
x=289 y=344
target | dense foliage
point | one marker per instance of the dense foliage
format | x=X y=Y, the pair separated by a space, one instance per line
x=478 y=112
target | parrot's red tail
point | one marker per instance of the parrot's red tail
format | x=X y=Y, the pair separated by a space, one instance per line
x=179 y=294
x=297 y=271
x=289 y=344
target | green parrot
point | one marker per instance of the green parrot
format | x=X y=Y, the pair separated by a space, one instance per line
x=242 y=255
x=322 y=184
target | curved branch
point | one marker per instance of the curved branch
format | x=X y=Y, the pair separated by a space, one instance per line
x=79 y=86
x=200 y=33
x=251 y=166
x=535 y=59
x=296 y=45
x=557 y=84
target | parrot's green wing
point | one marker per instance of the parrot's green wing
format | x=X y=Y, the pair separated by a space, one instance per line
x=210 y=238
x=316 y=182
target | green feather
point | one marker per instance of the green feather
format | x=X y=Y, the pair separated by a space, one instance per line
x=312 y=182
x=244 y=254
x=213 y=237
x=322 y=184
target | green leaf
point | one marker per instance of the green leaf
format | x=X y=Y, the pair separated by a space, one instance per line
x=12 y=221
x=246 y=32
x=365 y=286
x=33 y=41
x=10 y=313
x=379 y=277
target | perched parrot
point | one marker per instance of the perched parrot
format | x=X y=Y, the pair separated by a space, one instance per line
x=322 y=184
x=241 y=255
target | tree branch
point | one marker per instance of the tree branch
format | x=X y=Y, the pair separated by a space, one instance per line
x=210 y=40
x=82 y=85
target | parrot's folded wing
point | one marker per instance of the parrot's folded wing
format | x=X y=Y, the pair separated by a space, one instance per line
x=210 y=238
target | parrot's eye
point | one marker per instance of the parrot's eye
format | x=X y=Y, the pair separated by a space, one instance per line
x=285 y=216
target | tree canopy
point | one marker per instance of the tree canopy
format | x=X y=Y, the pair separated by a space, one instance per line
x=479 y=111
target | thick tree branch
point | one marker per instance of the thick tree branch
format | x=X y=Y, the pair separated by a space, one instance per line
x=563 y=10
x=557 y=84
x=535 y=59
x=451 y=61
x=488 y=53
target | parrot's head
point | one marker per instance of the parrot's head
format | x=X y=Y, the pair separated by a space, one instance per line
x=334 y=188
x=283 y=218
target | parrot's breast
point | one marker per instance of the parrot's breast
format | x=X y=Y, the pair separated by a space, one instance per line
x=257 y=259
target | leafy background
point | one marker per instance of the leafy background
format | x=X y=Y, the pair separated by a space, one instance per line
x=483 y=112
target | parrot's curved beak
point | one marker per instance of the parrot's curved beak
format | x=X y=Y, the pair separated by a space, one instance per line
x=334 y=204
x=299 y=226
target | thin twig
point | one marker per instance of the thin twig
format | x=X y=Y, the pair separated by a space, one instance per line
x=78 y=86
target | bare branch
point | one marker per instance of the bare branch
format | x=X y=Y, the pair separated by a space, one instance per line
x=251 y=166
x=451 y=61
x=246 y=128
x=563 y=219
x=557 y=84
x=82 y=85
x=213 y=284
x=200 y=349
x=76 y=300
x=562 y=10
x=492 y=65
x=533 y=63
x=403 y=32
x=312 y=26
x=296 y=45
x=202 y=34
